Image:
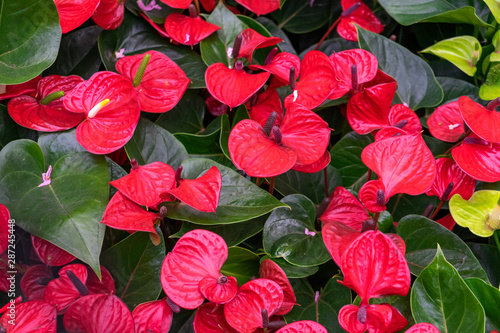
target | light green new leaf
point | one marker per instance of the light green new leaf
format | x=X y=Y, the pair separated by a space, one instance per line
x=491 y=87
x=494 y=6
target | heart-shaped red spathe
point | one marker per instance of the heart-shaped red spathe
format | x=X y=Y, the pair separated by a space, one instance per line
x=319 y=165
x=483 y=122
x=162 y=85
x=109 y=14
x=303 y=326
x=31 y=316
x=270 y=270
x=362 y=16
x=338 y=237
x=317 y=81
x=401 y=116
x=145 y=183
x=201 y=193
x=218 y=290
x=61 y=292
x=105 y=285
x=252 y=40
x=187 y=30
x=267 y=102
x=346 y=209
x=403 y=163
x=374 y=266
x=108 y=313
x=423 y=328
x=368 y=195
x=377 y=318
x=448 y=222
x=183 y=4
x=210 y=319
x=124 y=214
x=29 y=112
x=260 y=7
x=152 y=317
x=73 y=13
x=448 y=172
x=209 y=5
x=50 y=254
x=232 y=87
x=113 y=125
x=366 y=68
x=244 y=311
x=196 y=255
x=34 y=282
x=280 y=65
x=4 y=228
x=478 y=158
x=26 y=88
x=446 y=122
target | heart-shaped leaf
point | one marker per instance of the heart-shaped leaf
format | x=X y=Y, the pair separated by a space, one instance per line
x=489 y=297
x=300 y=17
x=186 y=116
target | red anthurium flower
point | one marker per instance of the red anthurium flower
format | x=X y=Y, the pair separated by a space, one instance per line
x=303 y=326
x=371 y=318
x=338 y=237
x=112 y=112
x=352 y=69
x=245 y=311
x=266 y=103
x=423 y=328
x=478 y=158
x=356 y=12
x=252 y=40
x=50 y=254
x=446 y=122
x=61 y=292
x=31 y=316
x=483 y=121
x=316 y=166
x=105 y=285
x=260 y=7
x=188 y=30
x=233 y=87
x=26 y=88
x=450 y=180
x=4 y=228
x=270 y=270
x=145 y=183
x=109 y=14
x=280 y=65
x=197 y=258
x=108 y=313
x=209 y=5
x=34 y=282
x=346 y=209
x=152 y=317
x=372 y=195
x=210 y=319
x=46 y=111
x=448 y=222
x=73 y=13
x=317 y=81
x=159 y=82
x=302 y=138
x=183 y=4
x=215 y=107
x=159 y=29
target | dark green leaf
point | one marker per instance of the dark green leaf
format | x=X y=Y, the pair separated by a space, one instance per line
x=299 y=17
x=455 y=88
x=292 y=271
x=115 y=172
x=225 y=130
x=56 y=145
x=201 y=144
x=8 y=127
x=156 y=15
x=441 y=297
x=489 y=297
x=401 y=205
x=241 y=263
x=489 y=257
x=186 y=116
x=286 y=45
x=401 y=303
x=329 y=46
x=31 y=35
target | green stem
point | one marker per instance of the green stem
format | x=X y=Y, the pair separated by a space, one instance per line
x=52 y=97
x=438 y=208
x=497 y=241
x=140 y=72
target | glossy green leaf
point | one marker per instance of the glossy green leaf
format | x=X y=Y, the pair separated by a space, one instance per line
x=401 y=303
x=31 y=35
x=286 y=45
x=68 y=211
x=57 y=144
x=495 y=55
x=455 y=88
x=215 y=47
x=463 y=52
x=241 y=263
x=417 y=85
x=326 y=310
x=299 y=17
x=401 y=205
x=201 y=144
x=329 y=46
x=441 y=297
x=186 y=116
x=491 y=87
x=489 y=297
x=489 y=257
x=240 y=200
x=494 y=6
x=421 y=237
x=152 y=143
x=480 y=213
x=8 y=127
x=285 y=233
x=136 y=36
x=135 y=264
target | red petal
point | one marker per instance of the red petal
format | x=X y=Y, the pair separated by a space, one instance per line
x=109 y=14
x=446 y=123
x=210 y=319
x=244 y=312
x=4 y=228
x=368 y=196
x=218 y=292
x=61 y=292
x=201 y=193
x=303 y=326
x=252 y=40
x=267 y=102
x=270 y=270
x=448 y=222
x=379 y=318
x=317 y=80
x=338 y=238
x=50 y=254
x=197 y=254
x=152 y=317
x=260 y=7
x=145 y=184
x=403 y=163
x=104 y=286
x=346 y=209
x=366 y=67
x=255 y=153
x=73 y=13
x=187 y=30
x=316 y=166
x=184 y=4
x=159 y=29
x=405 y=118
x=98 y=313
x=31 y=316
x=209 y=5
x=483 y=122
x=124 y=214
x=305 y=132
x=162 y=85
x=448 y=172
x=374 y=266
x=423 y=328
x=481 y=162
x=362 y=16
x=389 y=132
x=280 y=66
x=232 y=87
x=26 y=88
x=398 y=322
x=34 y=282
x=348 y=319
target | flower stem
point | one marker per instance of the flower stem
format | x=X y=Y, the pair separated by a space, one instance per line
x=271 y=185
x=497 y=241
x=438 y=208
x=327 y=33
